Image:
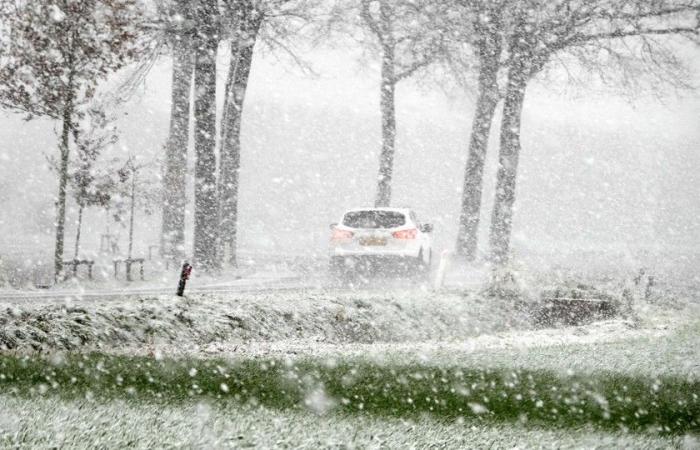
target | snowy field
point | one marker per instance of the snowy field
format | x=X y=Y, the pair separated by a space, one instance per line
x=653 y=341
x=403 y=224
x=49 y=422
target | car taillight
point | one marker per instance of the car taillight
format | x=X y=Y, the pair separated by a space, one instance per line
x=405 y=234
x=341 y=235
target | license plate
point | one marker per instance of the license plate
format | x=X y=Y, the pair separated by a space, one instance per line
x=367 y=241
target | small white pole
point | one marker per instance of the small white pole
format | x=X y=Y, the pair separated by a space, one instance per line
x=442 y=269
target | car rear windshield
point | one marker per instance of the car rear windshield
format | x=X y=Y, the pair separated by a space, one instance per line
x=374 y=219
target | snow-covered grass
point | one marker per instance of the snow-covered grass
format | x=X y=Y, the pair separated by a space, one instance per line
x=620 y=346
x=605 y=400
x=442 y=327
x=336 y=316
x=50 y=422
x=642 y=366
x=247 y=322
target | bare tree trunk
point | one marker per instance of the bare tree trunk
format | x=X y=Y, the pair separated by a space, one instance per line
x=509 y=153
x=77 y=233
x=388 y=111
x=206 y=212
x=230 y=154
x=490 y=50
x=175 y=198
x=131 y=223
x=62 y=185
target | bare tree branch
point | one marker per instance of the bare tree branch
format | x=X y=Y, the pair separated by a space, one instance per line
x=371 y=22
x=580 y=39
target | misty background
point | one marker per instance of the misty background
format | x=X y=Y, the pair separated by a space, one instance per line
x=598 y=172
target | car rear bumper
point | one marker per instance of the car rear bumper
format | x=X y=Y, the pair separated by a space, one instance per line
x=376 y=253
x=373 y=261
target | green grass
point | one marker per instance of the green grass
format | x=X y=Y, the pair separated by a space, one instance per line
x=605 y=400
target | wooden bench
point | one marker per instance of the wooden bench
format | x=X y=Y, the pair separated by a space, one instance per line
x=78 y=262
x=128 y=263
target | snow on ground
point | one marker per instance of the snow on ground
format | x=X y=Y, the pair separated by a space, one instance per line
x=659 y=336
x=51 y=422
x=615 y=345
x=335 y=316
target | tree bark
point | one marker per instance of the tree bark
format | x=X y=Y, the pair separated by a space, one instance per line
x=175 y=197
x=205 y=202
x=388 y=112
x=77 y=233
x=230 y=153
x=490 y=47
x=508 y=156
x=131 y=223
x=62 y=184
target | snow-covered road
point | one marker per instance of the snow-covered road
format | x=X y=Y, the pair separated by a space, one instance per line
x=92 y=293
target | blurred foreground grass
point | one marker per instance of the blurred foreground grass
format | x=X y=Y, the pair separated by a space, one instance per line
x=605 y=400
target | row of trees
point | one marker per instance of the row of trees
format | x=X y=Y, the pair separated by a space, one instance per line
x=54 y=52
x=195 y=29
x=497 y=48
x=624 y=43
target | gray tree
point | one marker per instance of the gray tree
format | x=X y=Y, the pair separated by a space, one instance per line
x=541 y=32
x=404 y=37
x=178 y=24
x=246 y=17
x=406 y=44
x=91 y=186
x=275 y=24
x=206 y=212
x=56 y=54
x=132 y=192
x=481 y=28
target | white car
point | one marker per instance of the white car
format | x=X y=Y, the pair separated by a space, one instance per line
x=380 y=235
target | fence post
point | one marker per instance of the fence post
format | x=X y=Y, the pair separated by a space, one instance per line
x=184 y=276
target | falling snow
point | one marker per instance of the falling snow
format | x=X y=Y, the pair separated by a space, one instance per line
x=389 y=224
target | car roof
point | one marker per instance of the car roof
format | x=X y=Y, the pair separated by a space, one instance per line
x=401 y=210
